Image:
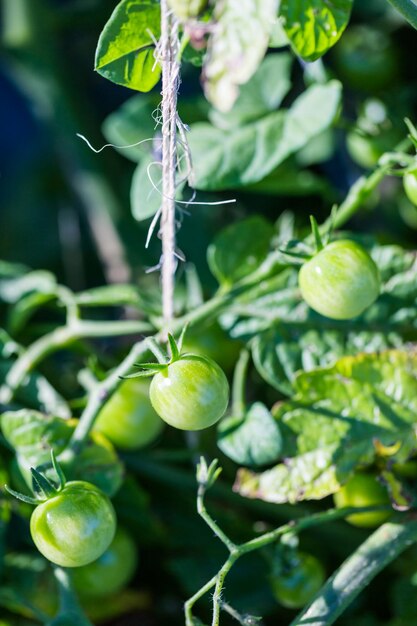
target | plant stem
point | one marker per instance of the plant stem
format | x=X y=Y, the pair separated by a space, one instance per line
x=202 y=511
x=239 y=384
x=382 y=547
x=60 y=338
x=170 y=82
x=188 y=606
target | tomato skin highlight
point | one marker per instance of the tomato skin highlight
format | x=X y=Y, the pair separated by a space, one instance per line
x=74 y=527
x=341 y=281
x=410 y=186
x=128 y=419
x=363 y=490
x=191 y=394
x=299 y=582
x=112 y=571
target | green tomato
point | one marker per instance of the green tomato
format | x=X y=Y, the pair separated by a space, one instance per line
x=366 y=59
x=213 y=342
x=410 y=186
x=128 y=419
x=366 y=149
x=298 y=581
x=186 y=9
x=112 y=571
x=74 y=527
x=340 y=281
x=363 y=490
x=192 y=393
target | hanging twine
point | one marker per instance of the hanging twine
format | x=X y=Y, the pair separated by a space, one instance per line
x=168 y=56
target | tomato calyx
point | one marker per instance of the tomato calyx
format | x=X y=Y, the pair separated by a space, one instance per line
x=150 y=369
x=302 y=251
x=43 y=488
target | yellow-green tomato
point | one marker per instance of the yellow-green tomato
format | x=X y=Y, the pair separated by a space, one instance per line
x=341 y=281
x=74 y=527
x=299 y=581
x=186 y=9
x=410 y=186
x=191 y=393
x=363 y=490
x=112 y=571
x=128 y=419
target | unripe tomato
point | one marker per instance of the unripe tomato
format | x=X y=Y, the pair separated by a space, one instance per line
x=298 y=581
x=212 y=341
x=340 y=281
x=410 y=186
x=112 y=571
x=366 y=149
x=192 y=393
x=128 y=419
x=186 y=9
x=363 y=490
x=74 y=527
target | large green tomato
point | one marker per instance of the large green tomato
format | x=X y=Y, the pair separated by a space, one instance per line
x=112 y=571
x=192 y=393
x=299 y=581
x=74 y=527
x=340 y=281
x=363 y=490
x=128 y=419
x=410 y=186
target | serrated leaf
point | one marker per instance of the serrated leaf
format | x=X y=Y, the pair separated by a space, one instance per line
x=236 y=47
x=253 y=439
x=245 y=155
x=314 y=26
x=261 y=95
x=330 y=425
x=125 y=51
x=239 y=249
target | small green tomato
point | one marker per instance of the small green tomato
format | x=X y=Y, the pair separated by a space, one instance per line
x=75 y=526
x=363 y=490
x=341 y=281
x=112 y=571
x=299 y=581
x=191 y=393
x=410 y=186
x=128 y=419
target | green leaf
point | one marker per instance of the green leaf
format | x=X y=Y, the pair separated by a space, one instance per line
x=253 y=440
x=132 y=124
x=245 y=155
x=125 y=51
x=314 y=26
x=331 y=425
x=262 y=94
x=33 y=435
x=236 y=47
x=407 y=8
x=239 y=249
x=110 y=295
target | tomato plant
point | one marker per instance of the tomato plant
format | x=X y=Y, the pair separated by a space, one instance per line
x=341 y=281
x=191 y=393
x=134 y=212
x=75 y=526
x=298 y=581
x=363 y=490
x=128 y=420
x=111 y=571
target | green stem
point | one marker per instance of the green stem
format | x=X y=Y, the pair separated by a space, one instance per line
x=220 y=578
x=382 y=547
x=60 y=338
x=239 y=384
x=188 y=606
x=202 y=511
x=69 y=606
